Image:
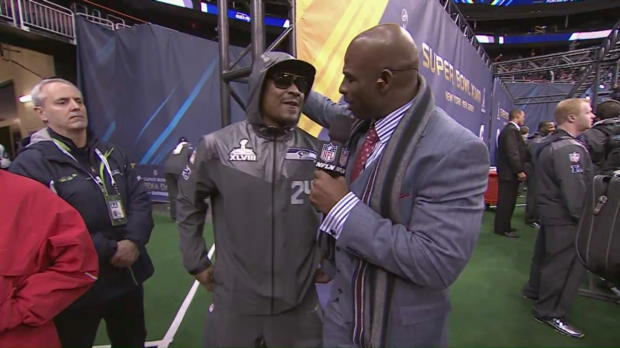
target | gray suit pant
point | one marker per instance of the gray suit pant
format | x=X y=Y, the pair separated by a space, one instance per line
x=556 y=272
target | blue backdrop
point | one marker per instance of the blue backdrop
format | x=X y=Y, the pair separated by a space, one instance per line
x=147 y=85
x=540 y=111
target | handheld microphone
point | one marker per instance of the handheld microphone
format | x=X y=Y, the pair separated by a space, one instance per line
x=334 y=155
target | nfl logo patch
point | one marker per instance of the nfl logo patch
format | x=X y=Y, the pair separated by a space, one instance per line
x=328 y=153
x=574 y=157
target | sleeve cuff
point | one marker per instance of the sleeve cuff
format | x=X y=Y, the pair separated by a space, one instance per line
x=203 y=264
x=335 y=219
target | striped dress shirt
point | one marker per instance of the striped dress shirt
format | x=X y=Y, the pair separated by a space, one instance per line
x=338 y=215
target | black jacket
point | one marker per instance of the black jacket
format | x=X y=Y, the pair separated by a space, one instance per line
x=511 y=152
x=563 y=173
x=62 y=167
x=603 y=142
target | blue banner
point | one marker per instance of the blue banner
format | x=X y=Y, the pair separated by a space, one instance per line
x=147 y=85
x=542 y=110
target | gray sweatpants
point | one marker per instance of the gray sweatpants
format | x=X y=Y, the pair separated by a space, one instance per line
x=298 y=327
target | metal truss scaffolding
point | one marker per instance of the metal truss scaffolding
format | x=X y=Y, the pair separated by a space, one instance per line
x=587 y=69
x=452 y=9
x=229 y=71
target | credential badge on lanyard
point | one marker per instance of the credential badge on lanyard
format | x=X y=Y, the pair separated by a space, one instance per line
x=113 y=200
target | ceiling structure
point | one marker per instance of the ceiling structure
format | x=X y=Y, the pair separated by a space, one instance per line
x=532 y=24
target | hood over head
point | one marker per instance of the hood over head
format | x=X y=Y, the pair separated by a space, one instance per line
x=268 y=61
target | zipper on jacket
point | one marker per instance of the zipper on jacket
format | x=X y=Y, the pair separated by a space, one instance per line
x=273 y=217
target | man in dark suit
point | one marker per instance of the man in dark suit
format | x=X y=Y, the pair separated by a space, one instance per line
x=512 y=156
x=406 y=216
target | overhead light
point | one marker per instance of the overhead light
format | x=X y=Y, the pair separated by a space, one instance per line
x=485 y=39
x=25 y=98
x=589 y=35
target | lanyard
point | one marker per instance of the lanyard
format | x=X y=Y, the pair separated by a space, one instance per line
x=64 y=148
x=100 y=179
x=104 y=164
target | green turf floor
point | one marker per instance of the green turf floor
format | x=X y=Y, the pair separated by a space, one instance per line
x=487 y=307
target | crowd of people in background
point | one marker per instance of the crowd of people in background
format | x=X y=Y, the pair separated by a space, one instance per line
x=558 y=163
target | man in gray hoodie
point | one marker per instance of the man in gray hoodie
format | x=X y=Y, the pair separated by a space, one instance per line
x=257 y=173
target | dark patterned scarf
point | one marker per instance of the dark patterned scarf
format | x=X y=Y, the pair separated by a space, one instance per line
x=372 y=284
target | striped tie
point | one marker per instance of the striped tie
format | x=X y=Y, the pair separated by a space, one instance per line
x=367 y=148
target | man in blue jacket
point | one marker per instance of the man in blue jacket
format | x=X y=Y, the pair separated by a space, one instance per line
x=96 y=179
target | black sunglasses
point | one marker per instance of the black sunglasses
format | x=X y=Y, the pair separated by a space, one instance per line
x=283 y=80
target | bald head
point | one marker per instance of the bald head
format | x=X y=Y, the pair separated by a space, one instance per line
x=380 y=71
x=391 y=47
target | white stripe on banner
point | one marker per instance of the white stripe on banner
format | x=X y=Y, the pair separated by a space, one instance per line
x=169 y=337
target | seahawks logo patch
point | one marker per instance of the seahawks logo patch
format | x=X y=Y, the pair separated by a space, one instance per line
x=300 y=154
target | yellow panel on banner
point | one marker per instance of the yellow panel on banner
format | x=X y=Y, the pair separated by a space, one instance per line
x=324 y=30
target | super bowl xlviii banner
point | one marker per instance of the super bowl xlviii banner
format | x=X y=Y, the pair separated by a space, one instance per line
x=460 y=80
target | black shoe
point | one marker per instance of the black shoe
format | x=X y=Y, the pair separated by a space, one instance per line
x=511 y=235
x=535 y=225
x=560 y=325
x=529 y=297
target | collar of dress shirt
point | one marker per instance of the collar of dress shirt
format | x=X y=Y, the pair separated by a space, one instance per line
x=516 y=125
x=387 y=125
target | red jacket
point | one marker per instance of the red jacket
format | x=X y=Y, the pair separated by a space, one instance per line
x=47 y=261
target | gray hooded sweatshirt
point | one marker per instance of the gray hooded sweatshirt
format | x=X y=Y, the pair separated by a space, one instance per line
x=258 y=179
